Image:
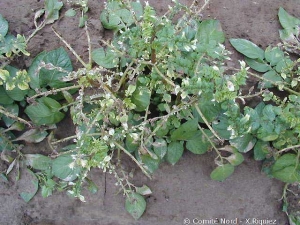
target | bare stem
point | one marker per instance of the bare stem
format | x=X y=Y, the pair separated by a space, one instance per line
x=70 y=48
x=207 y=124
x=89 y=46
x=288 y=148
x=54 y=91
x=10 y=115
x=134 y=159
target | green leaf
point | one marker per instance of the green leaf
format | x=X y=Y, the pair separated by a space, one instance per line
x=247 y=48
x=286 y=168
x=235 y=158
x=210 y=31
x=144 y=190
x=220 y=126
x=130 y=141
x=272 y=76
x=199 y=144
x=273 y=55
x=174 y=153
x=261 y=150
x=57 y=59
x=70 y=12
x=106 y=58
x=48 y=188
x=141 y=98
x=257 y=65
x=186 y=130
x=244 y=143
x=160 y=147
x=135 y=204
x=82 y=21
x=150 y=163
x=4 y=98
x=209 y=109
x=27 y=196
x=52 y=8
x=267 y=134
x=3 y=26
x=45 y=111
x=288 y=22
x=92 y=186
x=63 y=167
x=38 y=161
x=117 y=16
x=222 y=172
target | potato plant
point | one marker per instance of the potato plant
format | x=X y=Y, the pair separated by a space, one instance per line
x=158 y=88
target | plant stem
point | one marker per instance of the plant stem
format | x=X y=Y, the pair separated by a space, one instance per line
x=163 y=76
x=37 y=29
x=52 y=92
x=8 y=114
x=288 y=148
x=207 y=124
x=70 y=48
x=134 y=159
x=274 y=83
x=89 y=46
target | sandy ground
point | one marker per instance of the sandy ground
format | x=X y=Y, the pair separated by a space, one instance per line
x=180 y=193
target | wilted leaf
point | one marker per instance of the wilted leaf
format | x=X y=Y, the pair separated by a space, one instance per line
x=64 y=168
x=33 y=136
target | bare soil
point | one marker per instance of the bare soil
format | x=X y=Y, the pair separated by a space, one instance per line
x=180 y=192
